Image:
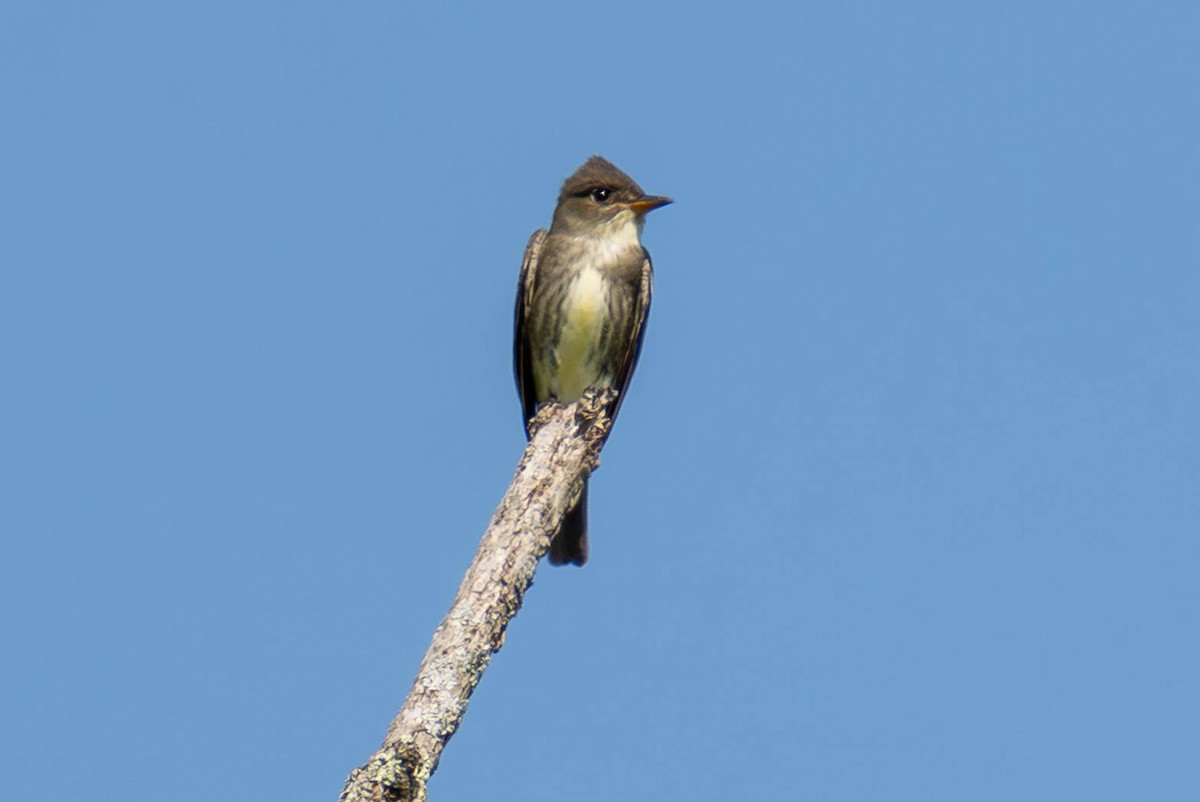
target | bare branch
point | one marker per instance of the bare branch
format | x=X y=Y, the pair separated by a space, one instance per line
x=564 y=449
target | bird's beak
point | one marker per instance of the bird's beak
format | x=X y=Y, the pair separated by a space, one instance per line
x=648 y=203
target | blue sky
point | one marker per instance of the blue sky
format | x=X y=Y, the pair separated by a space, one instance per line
x=904 y=501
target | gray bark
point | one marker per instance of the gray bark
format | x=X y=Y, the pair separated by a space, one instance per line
x=564 y=449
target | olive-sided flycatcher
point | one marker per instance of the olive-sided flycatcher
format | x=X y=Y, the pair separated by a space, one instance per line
x=582 y=302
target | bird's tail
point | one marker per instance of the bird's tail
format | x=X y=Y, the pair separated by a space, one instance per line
x=570 y=545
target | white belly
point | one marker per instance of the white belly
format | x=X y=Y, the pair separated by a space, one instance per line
x=577 y=353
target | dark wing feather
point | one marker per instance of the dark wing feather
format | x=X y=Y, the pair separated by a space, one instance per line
x=641 y=312
x=522 y=359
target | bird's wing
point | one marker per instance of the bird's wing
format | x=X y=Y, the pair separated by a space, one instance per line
x=522 y=359
x=641 y=312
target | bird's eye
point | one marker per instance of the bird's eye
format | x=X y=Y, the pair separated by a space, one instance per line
x=601 y=194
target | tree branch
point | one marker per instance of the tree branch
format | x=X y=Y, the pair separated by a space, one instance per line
x=564 y=449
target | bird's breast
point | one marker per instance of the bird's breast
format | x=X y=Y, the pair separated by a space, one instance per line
x=584 y=312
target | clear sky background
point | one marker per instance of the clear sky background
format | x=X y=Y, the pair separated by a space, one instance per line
x=905 y=500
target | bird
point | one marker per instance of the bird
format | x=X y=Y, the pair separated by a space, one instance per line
x=583 y=298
